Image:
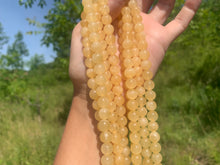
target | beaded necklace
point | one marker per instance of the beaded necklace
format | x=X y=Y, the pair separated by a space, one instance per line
x=120 y=84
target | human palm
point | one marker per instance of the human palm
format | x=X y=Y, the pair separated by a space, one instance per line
x=158 y=37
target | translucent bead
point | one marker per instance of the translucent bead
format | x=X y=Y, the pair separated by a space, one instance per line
x=107 y=160
x=93 y=94
x=132 y=105
x=110 y=39
x=144 y=54
x=114 y=127
x=108 y=29
x=147 y=161
x=102 y=2
x=138 y=70
x=140 y=36
x=131 y=94
x=97 y=58
x=139 y=27
x=104 y=113
x=91 y=83
x=122 y=121
x=95 y=105
x=154 y=137
x=100 y=79
x=107 y=76
x=83 y=23
x=99 y=68
x=87 y=52
x=106 y=19
x=133 y=116
x=110 y=94
x=146 y=152
x=143 y=122
x=97 y=116
x=144 y=132
x=136 y=61
x=127 y=63
x=140 y=81
x=112 y=117
x=107 y=148
x=120 y=110
x=126 y=18
x=127 y=27
x=152 y=115
x=116 y=80
x=114 y=69
x=125 y=10
x=142 y=45
x=150 y=95
x=112 y=106
x=134 y=126
x=96 y=46
x=147 y=75
x=155 y=147
x=127 y=53
x=140 y=90
x=123 y=131
x=146 y=64
x=107 y=65
x=90 y=17
x=136 y=148
x=117 y=149
x=129 y=72
x=126 y=151
x=119 y=160
x=108 y=86
x=94 y=37
x=88 y=8
x=113 y=60
x=89 y=63
x=127 y=43
x=106 y=137
x=156 y=158
x=103 y=125
x=135 y=11
x=84 y=32
x=127 y=160
x=90 y=73
x=136 y=159
x=134 y=137
x=112 y=49
x=103 y=102
x=131 y=83
x=142 y=111
x=153 y=126
x=119 y=100
x=132 y=4
x=124 y=141
x=118 y=90
x=145 y=142
x=104 y=9
x=137 y=18
x=151 y=105
x=116 y=138
x=101 y=91
x=149 y=85
x=141 y=101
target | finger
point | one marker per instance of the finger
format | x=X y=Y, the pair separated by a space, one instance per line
x=116 y=6
x=162 y=10
x=182 y=20
x=145 y=5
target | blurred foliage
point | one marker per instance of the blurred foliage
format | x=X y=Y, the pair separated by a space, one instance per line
x=3 y=37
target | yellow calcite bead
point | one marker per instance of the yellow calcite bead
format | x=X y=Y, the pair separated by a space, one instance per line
x=127 y=160
x=116 y=80
x=97 y=116
x=118 y=90
x=153 y=126
x=136 y=61
x=147 y=75
x=90 y=73
x=131 y=94
x=147 y=161
x=107 y=76
x=146 y=64
x=108 y=29
x=141 y=101
x=110 y=39
x=149 y=85
x=139 y=27
x=117 y=149
x=146 y=152
x=136 y=148
x=123 y=131
x=84 y=32
x=155 y=147
x=112 y=49
x=104 y=9
x=144 y=54
x=91 y=83
x=119 y=100
x=107 y=160
x=127 y=27
x=120 y=110
x=106 y=19
x=138 y=71
x=89 y=63
x=134 y=126
x=150 y=95
x=126 y=151
x=103 y=102
x=104 y=113
x=113 y=60
x=100 y=79
x=133 y=116
x=127 y=43
x=107 y=65
x=142 y=45
x=108 y=86
x=143 y=122
x=134 y=137
x=140 y=90
x=122 y=121
x=131 y=83
x=119 y=160
x=129 y=72
x=132 y=105
x=125 y=10
x=137 y=18
x=151 y=105
x=152 y=115
x=127 y=53
x=97 y=58
x=101 y=91
x=140 y=81
x=94 y=37
x=99 y=68
x=126 y=18
x=128 y=63
x=154 y=137
x=144 y=132
x=87 y=52
x=124 y=141
x=142 y=111
x=114 y=69
x=136 y=159
x=106 y=137
x=95 y=105
x=156 y=158
x=116 y=138
x=145 y=142
x=107 y=148
x=114 y=127
x=96 y=46
x=103 y=125
x=112 y=117
x=140 y=36
x=93 y=94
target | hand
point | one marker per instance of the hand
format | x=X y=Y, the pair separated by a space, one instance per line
x=159 y=37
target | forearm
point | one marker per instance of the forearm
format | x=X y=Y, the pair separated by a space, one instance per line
x=79 y=144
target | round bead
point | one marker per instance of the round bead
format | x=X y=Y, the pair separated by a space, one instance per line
x=131 y=83
x=143 y=122
x=151 y=105
x=103 y=102
x=104 y=9
x=152 y=115
x=155 y=148
x=119 y=100
x=97 y=58
x=114 y=69
x=124 y=141
x=132 y=105
x=136 y=159
x=134 y=126
x=146 y=64
x=147 y=161
x=142 y=111
x=136 y=148
x=103 y=125
x=117 y=149
x=141 y=101
x=134 y=137
x=144 y=132
x=144 y=54
x=147 y=75
x=139 y=27
x=91 y=83
x=119 y=160
x=107 y=148
x=114 y=127
x=107 y=160
x=120 y=110
x=133 y=116
x=100 y=79
x=106 y=19
x=153 y=126
x=116 y=138
x=129 y=72
x=126 y=18
x=146 y=152
x=106 y=137
x=99 y=68
x=122 y=120
x=150 y=95
x=93 y=94
x=154 y=137
x=127 y=160
x=156 y=158
x=108 y=29
x=123 y=131
x=104 y=113
x=145 y=142
x=126 y=151
x=131 y=94
x=116 y=80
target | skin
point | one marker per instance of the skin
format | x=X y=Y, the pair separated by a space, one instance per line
x=80 y=144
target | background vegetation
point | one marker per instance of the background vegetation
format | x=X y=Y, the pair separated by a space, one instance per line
x=34 y=104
